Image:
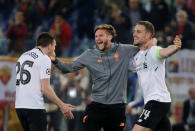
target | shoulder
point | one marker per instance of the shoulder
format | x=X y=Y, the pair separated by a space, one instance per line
x=128 y=46
x=155 y=48
x=128 y=50
x=44 y=58
x=90 y=52
x=154 y=52
x=44 y=63
x=86 y=54
x=39 y=56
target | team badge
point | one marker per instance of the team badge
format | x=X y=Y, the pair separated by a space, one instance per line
x=99 y=61
x=5 y=74
x=116 y=56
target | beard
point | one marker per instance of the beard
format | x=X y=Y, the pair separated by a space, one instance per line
x=138 y=44
x=105 y=43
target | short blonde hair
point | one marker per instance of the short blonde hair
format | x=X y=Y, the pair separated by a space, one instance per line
x=109 y=28
x=148 y=25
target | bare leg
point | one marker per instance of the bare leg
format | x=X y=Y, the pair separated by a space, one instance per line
x=140 y=128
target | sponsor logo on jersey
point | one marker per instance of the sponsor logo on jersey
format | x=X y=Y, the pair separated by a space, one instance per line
x=5 y=74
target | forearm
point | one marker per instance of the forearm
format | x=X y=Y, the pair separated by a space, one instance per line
x=63 y=66
x=67 y=67
x=51 y=95
x=170 y=50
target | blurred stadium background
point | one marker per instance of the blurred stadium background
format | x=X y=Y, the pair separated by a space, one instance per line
x=72 y=22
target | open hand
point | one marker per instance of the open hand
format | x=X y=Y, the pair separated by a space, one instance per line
x=52 y=56
x=128 y=110
x=65 y=109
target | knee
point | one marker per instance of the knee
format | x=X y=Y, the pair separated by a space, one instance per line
x=140 y=128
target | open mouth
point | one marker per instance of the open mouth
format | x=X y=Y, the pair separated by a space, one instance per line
x=135 y=39
x=99 y=42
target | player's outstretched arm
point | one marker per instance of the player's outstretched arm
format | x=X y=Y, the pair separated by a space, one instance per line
x=170 y=50
x=49 y=92
x=63 y=66
x=67 y=67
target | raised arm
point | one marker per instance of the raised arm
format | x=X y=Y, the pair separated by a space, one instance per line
x=170 y=50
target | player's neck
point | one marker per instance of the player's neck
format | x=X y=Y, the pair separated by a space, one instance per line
x=144 y=47
x=43 y=50
x=108 y=46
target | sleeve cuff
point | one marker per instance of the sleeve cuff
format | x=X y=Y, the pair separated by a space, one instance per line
x=55 y=62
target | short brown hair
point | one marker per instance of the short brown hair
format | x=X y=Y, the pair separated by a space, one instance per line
x=109 y=28
x=148 y=25
x=44 y=39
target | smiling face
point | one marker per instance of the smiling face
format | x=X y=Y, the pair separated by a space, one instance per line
x=140 y=35
x=103 y=39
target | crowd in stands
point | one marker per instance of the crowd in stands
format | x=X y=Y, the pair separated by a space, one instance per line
x=72 y=22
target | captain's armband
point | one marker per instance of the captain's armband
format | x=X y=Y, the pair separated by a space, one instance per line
x=158 y=54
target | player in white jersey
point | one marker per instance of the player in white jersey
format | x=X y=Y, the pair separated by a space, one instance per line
x=149 y=63
x=32 y=81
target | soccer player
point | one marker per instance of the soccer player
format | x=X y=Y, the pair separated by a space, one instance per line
x=32 y=81
x=149 y=63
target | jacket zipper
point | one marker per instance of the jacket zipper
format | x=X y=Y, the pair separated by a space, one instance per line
x=108 y=78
